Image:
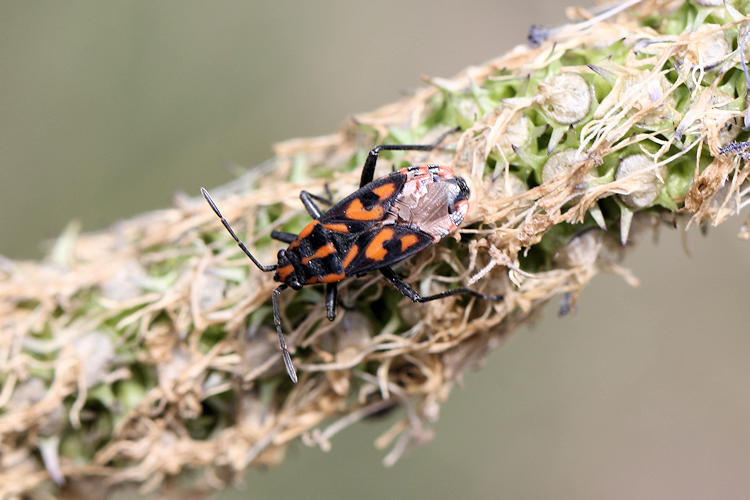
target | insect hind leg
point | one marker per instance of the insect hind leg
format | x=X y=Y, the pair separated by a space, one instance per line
x=240 y=243
x=412 y=294
x=368 y=170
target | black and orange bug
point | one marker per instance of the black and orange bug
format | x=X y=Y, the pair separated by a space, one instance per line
x=382 y=223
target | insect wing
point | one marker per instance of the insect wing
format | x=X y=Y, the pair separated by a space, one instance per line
x=368 y=205
x=382 y=246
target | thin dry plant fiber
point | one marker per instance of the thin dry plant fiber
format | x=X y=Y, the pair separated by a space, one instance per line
x=135 y=354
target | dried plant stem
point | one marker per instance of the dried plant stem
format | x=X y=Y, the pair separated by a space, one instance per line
x=137 y=353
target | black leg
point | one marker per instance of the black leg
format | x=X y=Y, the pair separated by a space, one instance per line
x=234 y=235
x=283 y=236
x=368 y=171
x=310 y=206
x=282 y=343
x=307 y=200
x=329 y=201
x=331 y=295
x=405 y=289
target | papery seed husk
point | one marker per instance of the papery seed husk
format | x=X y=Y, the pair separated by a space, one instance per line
x=648 y=184
x=95 y=351
x=636 y=92
x=507 y=185
x=517 y=134
x=567 y=97
x=581 y=250
x=707 y=51
x=563 y=161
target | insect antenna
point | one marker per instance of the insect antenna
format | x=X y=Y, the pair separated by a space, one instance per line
x=234 y=235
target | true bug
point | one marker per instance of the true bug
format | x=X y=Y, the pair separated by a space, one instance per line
x=382 y=223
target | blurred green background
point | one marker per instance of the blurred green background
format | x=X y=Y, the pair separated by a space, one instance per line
x=108 y=108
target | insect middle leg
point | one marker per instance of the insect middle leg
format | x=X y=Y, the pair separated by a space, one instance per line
x=368 y=171
x=412 y=294
x=309 y=203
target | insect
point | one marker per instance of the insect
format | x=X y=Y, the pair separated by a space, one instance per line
x=382 y=223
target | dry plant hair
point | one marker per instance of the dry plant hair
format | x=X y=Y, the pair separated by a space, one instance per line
x=156 y=337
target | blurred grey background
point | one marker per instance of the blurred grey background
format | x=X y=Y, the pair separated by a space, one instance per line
x=108 y=108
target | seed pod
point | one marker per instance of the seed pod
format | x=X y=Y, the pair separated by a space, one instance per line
x=257 y=351
x=126 y=283
x=709 y=49
x=27 y=393
x=507 y=185
x=638 y=91
x=468 y=109
x=95 y=351
x=563 y=162
x=730 y=130
x=581 y=250
x=352 y=337
x=211 y=290
x=646 y=186
x=355 y=334
x=516 y=134
x=707 y=114
x=732 y=127
x=567 y=97
x=730 y=206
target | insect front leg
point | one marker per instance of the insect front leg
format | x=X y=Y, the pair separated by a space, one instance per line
x=283 y=236
x=368 y=170
x=412 y=294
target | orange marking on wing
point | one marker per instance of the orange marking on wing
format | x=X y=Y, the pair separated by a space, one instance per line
x=332 y=278
x=304 y=234
x=338 y=227
x=408 y=241
x=321 y=252
x=385 y=191
x=357 y=211
x=307 y=230
x=353 y=251
x=375 y=249
x=284 y=272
